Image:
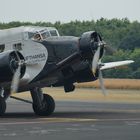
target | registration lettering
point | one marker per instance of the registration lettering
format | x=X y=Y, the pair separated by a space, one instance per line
x=35 y=58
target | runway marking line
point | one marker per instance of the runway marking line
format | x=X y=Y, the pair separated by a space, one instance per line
x=48 y=120
x=118 y=110
x=67 y=119
x=63 y=120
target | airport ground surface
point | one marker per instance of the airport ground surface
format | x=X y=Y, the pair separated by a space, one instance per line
x=77 y=119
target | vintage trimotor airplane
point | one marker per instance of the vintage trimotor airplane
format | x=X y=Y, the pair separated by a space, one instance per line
x=35 y=57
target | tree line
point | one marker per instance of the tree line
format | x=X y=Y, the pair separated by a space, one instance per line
x=120 y=34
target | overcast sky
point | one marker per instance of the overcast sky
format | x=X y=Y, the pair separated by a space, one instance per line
x=67 y=10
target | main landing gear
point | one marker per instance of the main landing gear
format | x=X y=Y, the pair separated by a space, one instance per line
x=3 y=97
x=43 y=104
x=2 y=106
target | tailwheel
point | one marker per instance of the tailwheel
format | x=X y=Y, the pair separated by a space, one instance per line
x=47 y=106
x=2 y=106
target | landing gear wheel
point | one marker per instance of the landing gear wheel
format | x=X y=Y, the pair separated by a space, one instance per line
x=47 y=108
x=2 y=106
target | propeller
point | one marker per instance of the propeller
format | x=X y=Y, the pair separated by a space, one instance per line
x=15 y=80
x=101 y=81
x=96 y=63
x=17 y=74
x=96 y=60
x=109 y=50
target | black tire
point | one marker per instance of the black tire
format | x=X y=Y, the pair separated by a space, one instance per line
x=47 y=108
x=2 y=106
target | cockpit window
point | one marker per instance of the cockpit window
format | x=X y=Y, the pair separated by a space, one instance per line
x=37 y=37
x=45 y=35
x=42 y=34
x=53 y=33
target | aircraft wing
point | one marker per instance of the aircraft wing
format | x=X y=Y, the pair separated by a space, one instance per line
x=115 y=64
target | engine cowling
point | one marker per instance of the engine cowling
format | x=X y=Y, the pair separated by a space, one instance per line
x=89 y=43
x=9 y=64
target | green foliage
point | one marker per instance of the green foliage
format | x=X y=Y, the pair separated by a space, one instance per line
x=135 y=55
x=132 y=38
x=120 y=34
x=136 y=74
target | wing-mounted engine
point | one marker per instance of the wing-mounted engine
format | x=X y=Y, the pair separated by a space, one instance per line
x=9 y=64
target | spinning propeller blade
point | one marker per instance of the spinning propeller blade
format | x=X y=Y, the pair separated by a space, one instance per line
x=96 y=65
x=101 y=81
x=15 y=81
x=95 y=60
x=109 y=50
x=17 y=74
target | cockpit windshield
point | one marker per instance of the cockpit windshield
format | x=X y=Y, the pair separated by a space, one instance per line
x=42 y=34
x=39 y=35
x=45 y=35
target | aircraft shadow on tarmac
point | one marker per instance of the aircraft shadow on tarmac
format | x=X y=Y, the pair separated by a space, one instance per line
x=80 y=114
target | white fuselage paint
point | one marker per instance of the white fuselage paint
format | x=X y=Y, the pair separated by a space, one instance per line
x=36 y=56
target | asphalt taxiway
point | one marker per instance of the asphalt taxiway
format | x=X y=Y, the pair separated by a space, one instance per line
x=72 y=120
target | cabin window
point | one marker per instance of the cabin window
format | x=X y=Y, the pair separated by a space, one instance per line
x=17 y=46
x=2 y=47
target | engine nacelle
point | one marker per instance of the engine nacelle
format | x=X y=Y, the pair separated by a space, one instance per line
x=9 y=64
x=88 y=43
x=87 y=39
